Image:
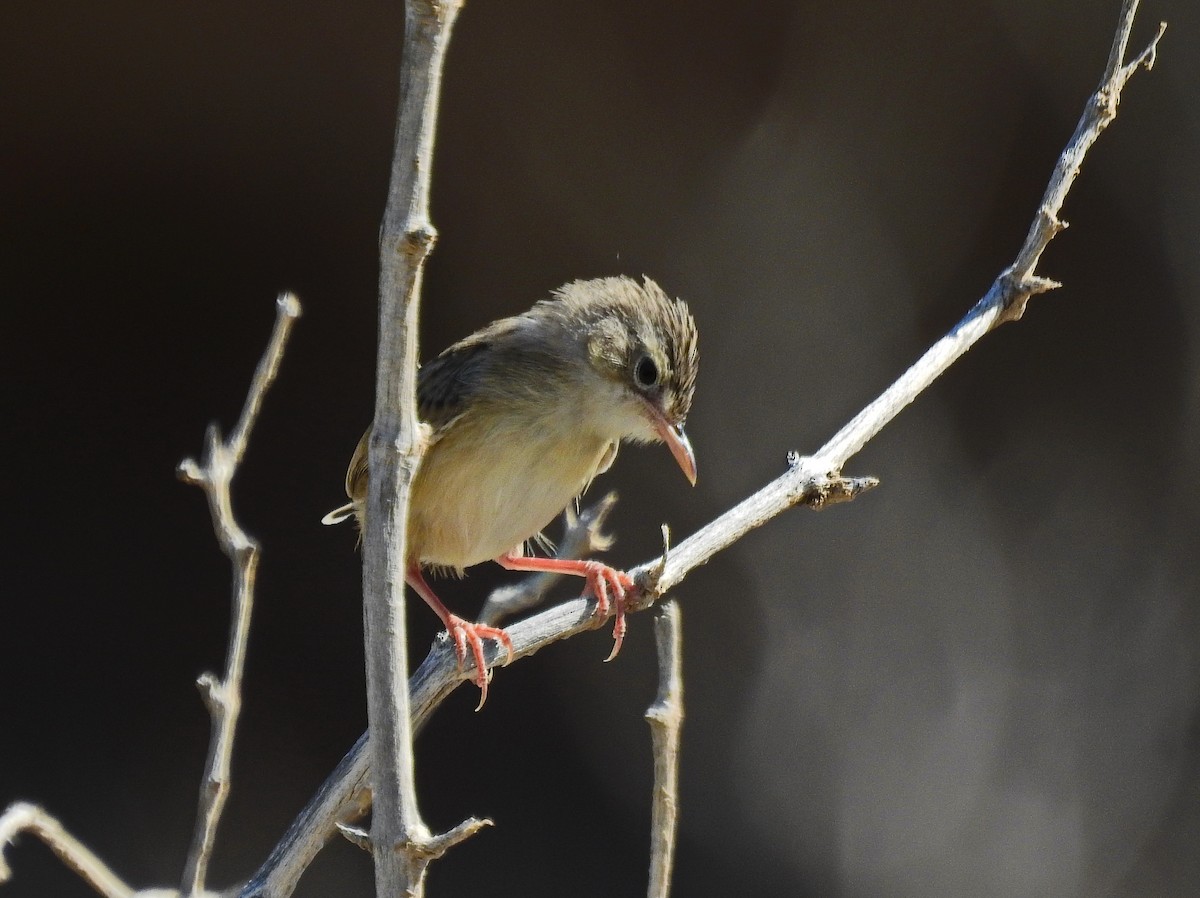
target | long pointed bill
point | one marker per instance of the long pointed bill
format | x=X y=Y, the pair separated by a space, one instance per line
x=678 y=443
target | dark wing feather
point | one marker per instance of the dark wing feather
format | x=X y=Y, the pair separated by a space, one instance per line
x=445 y=384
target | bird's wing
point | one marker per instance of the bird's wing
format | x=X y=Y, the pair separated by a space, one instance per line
x=356 y=478
x=444 y=389
x=445 y=385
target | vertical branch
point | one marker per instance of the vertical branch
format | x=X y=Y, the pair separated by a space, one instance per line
x=665 y=717
x=224 y=697
x=401 y=843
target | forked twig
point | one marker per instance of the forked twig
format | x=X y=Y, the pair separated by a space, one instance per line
x=223 y=697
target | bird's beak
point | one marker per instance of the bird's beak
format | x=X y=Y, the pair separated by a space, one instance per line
x=678 y=443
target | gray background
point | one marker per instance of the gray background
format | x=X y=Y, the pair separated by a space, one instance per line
x=980 y=679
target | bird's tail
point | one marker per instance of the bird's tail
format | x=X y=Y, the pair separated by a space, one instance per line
x=339 y=514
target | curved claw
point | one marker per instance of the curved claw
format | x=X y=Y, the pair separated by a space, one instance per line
x=618 y=630
x=601 y=579
x=464 y=633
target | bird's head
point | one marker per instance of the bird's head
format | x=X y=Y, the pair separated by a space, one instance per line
x=643 y=347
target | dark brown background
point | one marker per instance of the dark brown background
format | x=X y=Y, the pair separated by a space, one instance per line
x=981 y=679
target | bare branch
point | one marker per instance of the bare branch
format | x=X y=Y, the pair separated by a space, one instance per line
x=665 y=717
x=814 y=481
x=402 y=845
x=223 y=697
x=27 y=818
x=582 y=537
x=1017 y=284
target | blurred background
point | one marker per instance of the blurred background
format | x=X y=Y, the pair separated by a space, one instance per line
x=979 y=679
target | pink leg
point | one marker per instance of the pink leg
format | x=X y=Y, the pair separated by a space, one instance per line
x=463 y=632
x=600 y=580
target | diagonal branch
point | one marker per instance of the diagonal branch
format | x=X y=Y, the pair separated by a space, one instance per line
x=27 y=818
x=814 y=481
x=1018 y=283
x=1004 y=301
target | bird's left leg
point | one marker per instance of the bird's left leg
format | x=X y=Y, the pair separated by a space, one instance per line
x=464 y=633
x=602 y=581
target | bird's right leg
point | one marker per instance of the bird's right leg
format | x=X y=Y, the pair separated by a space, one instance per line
x=463 y=632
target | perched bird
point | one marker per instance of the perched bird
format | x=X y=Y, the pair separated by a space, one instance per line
x=524 y=414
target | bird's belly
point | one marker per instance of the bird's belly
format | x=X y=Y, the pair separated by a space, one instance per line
x=476 y=498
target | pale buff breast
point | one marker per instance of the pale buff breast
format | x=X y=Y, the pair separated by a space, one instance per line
x=481 y=492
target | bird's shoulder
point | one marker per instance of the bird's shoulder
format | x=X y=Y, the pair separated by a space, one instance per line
x=446 y=384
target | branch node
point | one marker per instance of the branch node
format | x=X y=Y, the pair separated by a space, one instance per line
x=1018 y=290
x=1038 y=284
x=288 y=305
x=1147 y=57
x=419 y=240
x=421 y=847
x=357 y=837
x=648 y=580
x=843 y=489
x=189 y=472
x=820 y=492
x=434 y=848
x=210 y=691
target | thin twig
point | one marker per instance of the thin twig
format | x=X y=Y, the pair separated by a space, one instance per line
x=27 y=818
x=582 y=537
x=665 y=717
x=223 y=697
x=814 y=481
x=402 y=844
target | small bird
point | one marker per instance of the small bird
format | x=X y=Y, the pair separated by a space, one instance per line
x=524 y=414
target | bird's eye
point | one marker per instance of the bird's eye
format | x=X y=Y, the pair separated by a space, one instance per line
x=645 y=372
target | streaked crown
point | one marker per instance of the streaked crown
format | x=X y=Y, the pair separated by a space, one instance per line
x=639 y=335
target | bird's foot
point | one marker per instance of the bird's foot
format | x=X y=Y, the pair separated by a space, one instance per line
x=604 y=581
x=466 y=634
